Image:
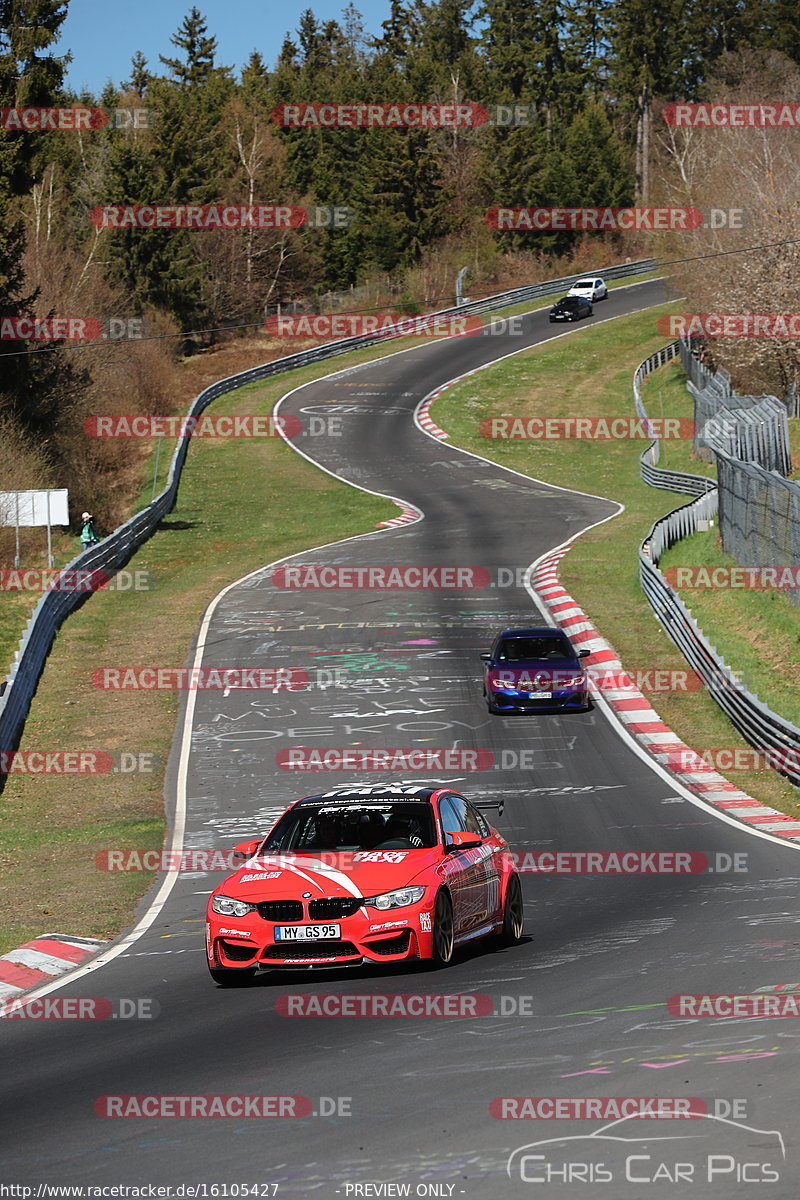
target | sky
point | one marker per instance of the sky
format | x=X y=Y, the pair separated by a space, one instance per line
x=103 y=35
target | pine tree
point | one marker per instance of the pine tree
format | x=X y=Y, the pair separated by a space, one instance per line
x=254 y=72
x=597 y=158
x=140 y=76
x=199 y=48
x=508 y=41
x=398 y=32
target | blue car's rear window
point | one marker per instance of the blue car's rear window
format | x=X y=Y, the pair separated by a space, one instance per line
x=533 y=648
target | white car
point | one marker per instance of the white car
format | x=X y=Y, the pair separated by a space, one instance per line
x=590 y=289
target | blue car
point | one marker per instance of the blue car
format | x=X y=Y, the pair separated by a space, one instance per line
x=534 y=669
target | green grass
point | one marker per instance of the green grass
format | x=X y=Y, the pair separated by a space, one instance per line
x=586 y=373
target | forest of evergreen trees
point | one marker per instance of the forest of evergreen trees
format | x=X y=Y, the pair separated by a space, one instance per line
x=593 y=74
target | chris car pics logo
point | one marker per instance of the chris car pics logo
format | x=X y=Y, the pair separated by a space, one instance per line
x=621 y=1158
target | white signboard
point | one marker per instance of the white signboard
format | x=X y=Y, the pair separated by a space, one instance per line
x=34 y=508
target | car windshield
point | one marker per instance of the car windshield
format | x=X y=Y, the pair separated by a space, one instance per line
x=353 y=825
x=570 y=302
x=584 y=283
x=530 y=648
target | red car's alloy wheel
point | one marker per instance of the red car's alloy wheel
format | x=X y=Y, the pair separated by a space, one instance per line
x=443 y=935
x=513 y=912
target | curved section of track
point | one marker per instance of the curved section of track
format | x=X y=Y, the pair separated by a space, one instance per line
x=580 y=1008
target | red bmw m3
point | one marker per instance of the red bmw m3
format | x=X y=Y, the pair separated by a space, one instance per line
x=375 y=874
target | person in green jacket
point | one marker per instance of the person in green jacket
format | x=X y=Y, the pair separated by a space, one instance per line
x=88 y=532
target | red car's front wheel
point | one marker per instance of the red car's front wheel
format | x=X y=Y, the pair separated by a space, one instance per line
x=443 y=932
x=232 y=978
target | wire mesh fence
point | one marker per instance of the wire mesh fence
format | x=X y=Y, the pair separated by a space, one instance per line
x=749 y=438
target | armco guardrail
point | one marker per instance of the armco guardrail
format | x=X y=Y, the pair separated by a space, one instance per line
x=115 y=550
x=758 y=725
x=652 y=474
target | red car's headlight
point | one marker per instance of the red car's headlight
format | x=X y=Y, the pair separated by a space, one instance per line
x=226 y=906
x=397 y=899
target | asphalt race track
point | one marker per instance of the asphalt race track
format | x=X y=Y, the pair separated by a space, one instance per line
x=581 y=1004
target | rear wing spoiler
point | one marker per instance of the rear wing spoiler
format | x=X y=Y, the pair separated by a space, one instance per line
x=484 y=805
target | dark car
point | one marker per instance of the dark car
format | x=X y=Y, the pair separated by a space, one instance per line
x=529 y=669
x=571 y=308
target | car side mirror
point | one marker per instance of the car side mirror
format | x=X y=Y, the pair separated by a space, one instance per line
x=246 y=849
x=461 y=840
x=584 y=653
x=486 y=658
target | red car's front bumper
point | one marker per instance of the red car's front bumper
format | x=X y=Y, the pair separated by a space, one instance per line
x=365 y=936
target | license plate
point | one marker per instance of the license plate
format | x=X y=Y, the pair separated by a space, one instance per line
x=532 y=689
x=306 y=933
